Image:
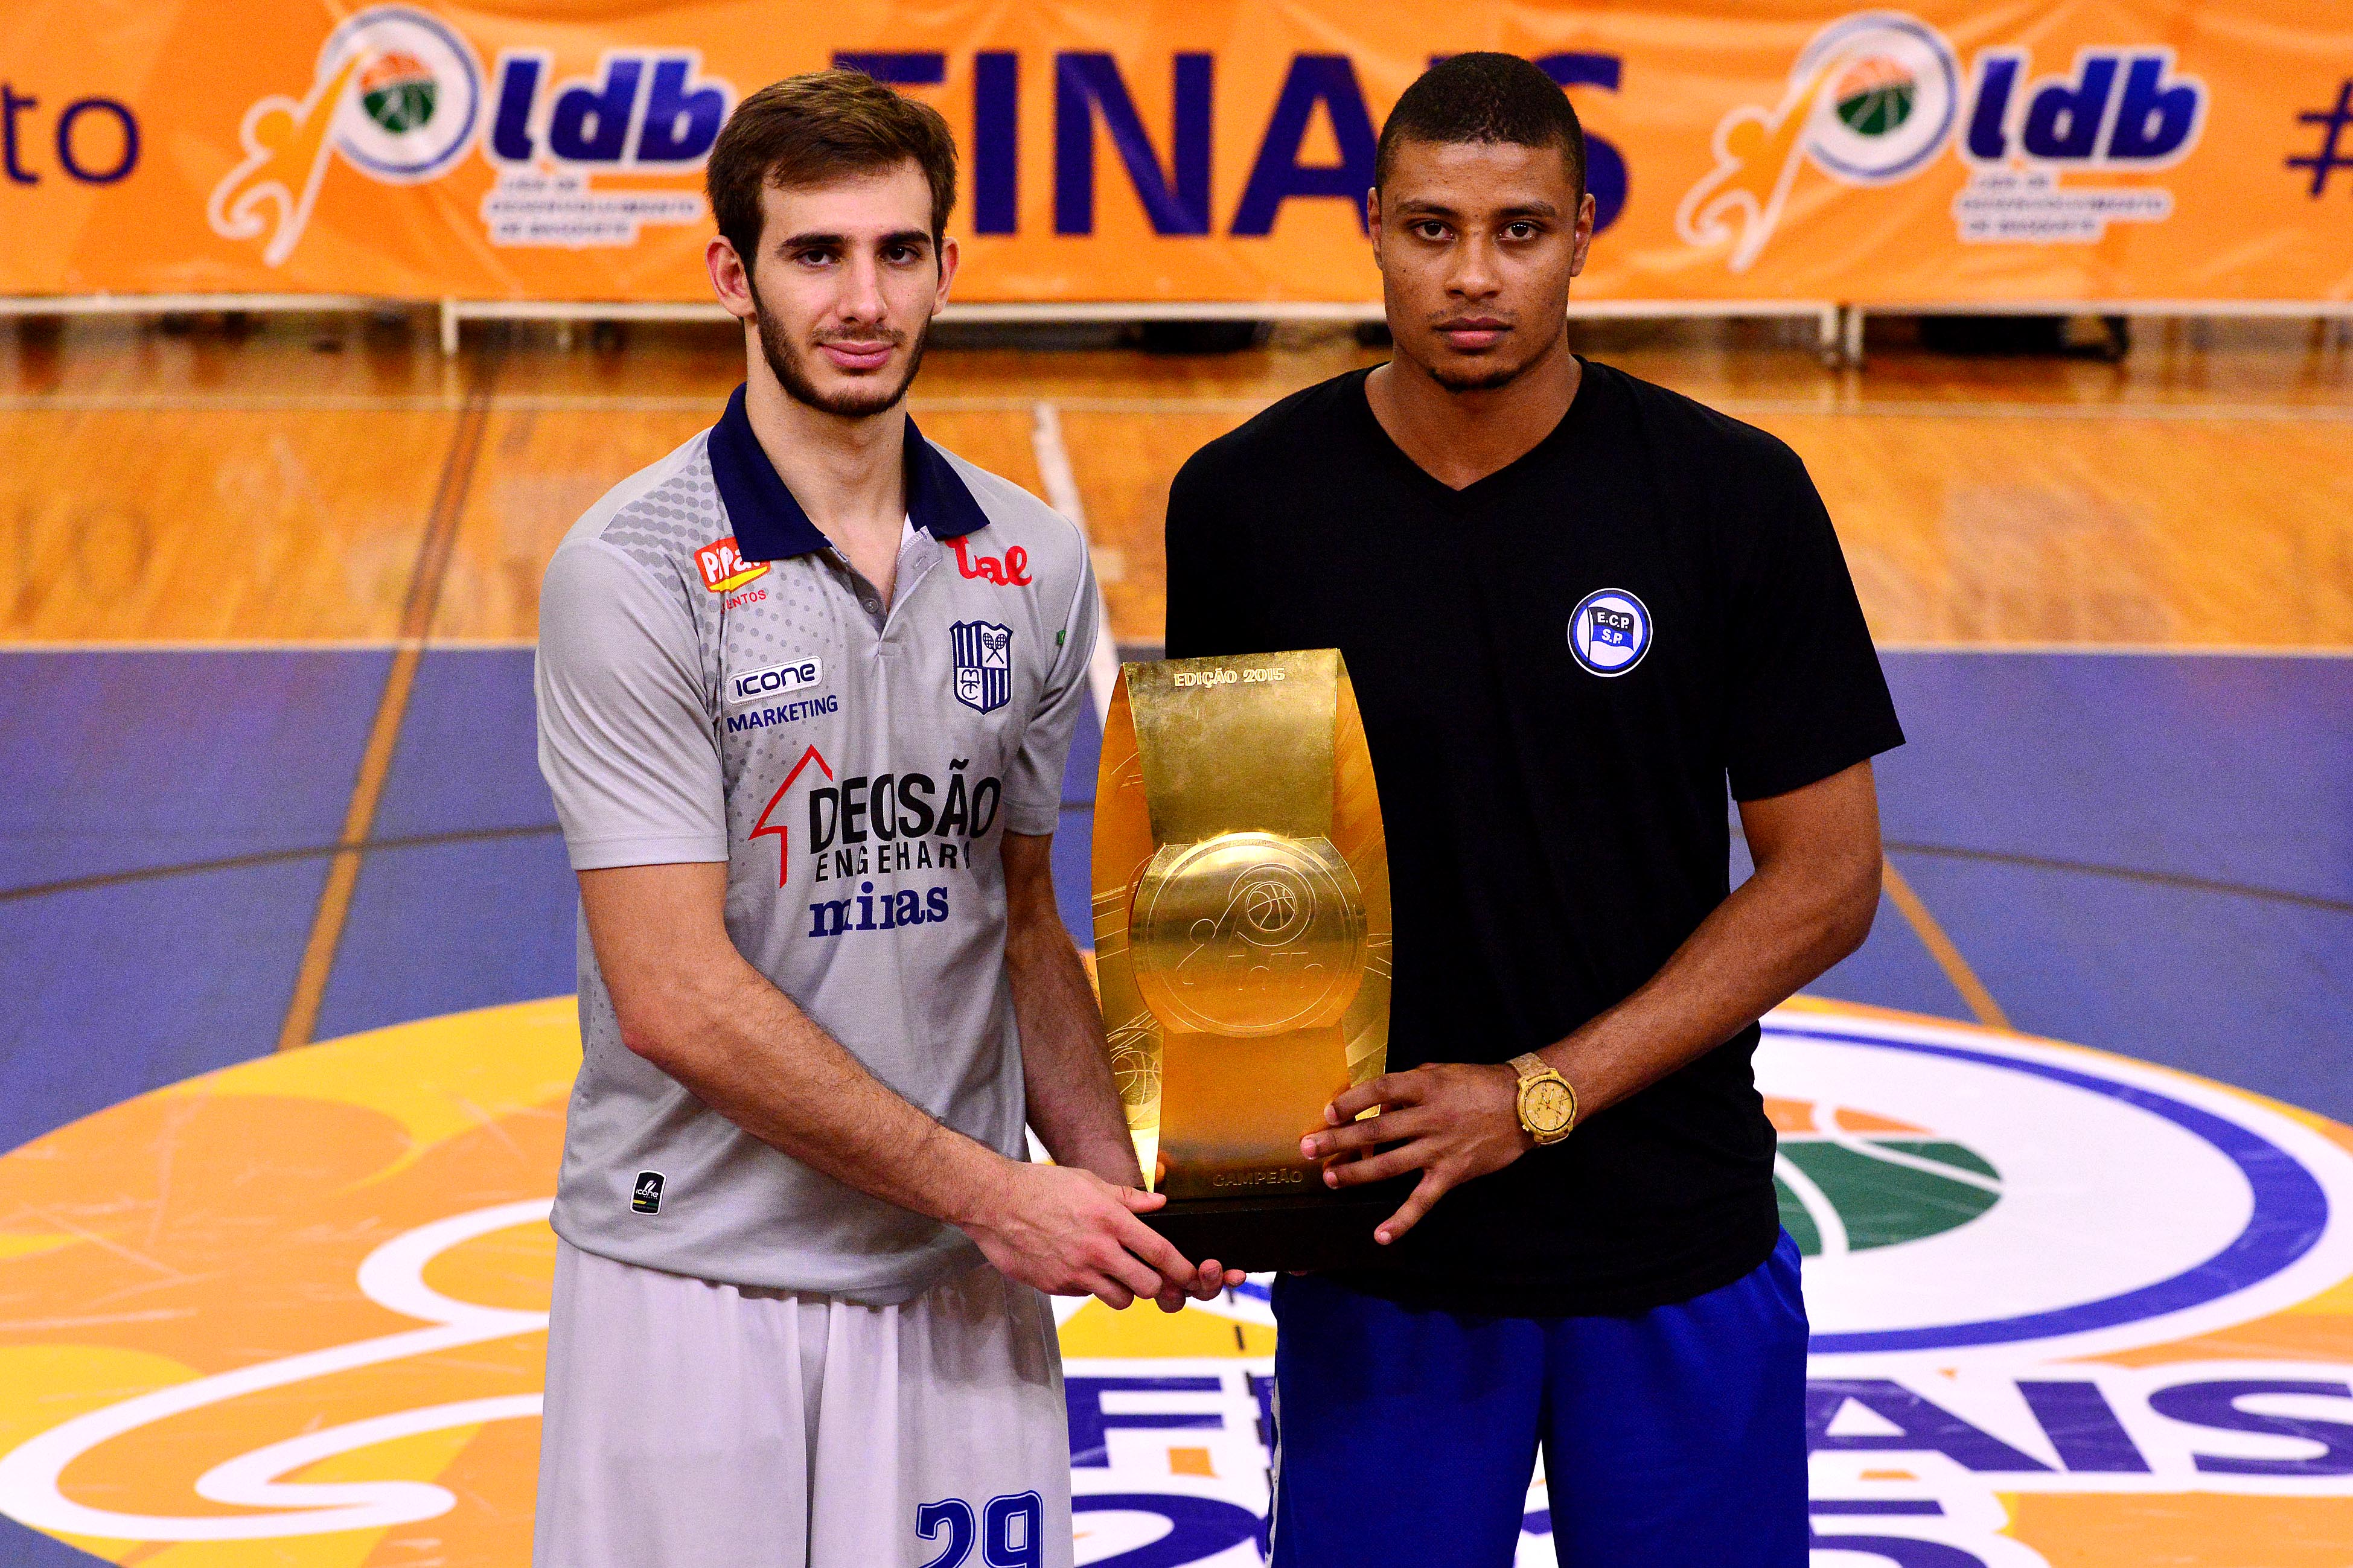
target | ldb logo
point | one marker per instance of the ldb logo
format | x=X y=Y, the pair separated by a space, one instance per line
x=639 y=111
x=398 y=95
x=1876 y=96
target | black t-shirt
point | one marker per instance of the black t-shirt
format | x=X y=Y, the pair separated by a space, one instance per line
x=1559 y=666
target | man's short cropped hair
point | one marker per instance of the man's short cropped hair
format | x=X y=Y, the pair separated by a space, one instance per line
x=1484 y=96
x=810 y=130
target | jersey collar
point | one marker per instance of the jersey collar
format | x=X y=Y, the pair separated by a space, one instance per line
x=770 y=524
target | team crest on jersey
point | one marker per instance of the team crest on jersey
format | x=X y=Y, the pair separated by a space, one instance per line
x=1610 y=631
x=984 y=665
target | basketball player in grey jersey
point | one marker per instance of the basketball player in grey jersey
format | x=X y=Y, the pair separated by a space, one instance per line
x=805 y=687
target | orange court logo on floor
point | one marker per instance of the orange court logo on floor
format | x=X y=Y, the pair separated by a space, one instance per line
x=2069 y=1309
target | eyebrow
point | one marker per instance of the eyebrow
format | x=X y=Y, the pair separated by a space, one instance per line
x=1425 y=208
x=813 y=241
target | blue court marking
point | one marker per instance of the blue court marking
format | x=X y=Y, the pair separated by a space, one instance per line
x=2290 y=1213
x=2252 y=993
x=24 y=1548
x=129 y=760
x=444 y=927
x=116 y=990
x=2229 y=769
x=1074 y=881
x=2233 y=767
x=124 y=759
x=437 y=929
x=440 y=928
x=468 y=756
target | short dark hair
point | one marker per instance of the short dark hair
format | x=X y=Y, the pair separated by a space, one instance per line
x=807 y=130
x=1484 y=96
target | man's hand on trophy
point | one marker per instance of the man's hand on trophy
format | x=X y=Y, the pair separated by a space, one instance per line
x=1068 y=1232
x=1450 y=1120
x=1210 y=1281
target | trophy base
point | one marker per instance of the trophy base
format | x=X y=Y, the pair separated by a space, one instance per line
x=1296 y=1232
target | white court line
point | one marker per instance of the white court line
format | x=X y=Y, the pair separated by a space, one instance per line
x=1817 y=1203
x=392 y=1276
x=1063 y=493
x=1870 y=1151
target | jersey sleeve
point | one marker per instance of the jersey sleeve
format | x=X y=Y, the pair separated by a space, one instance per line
x=626 y=741
x=1808 y=698
x=1033 y=785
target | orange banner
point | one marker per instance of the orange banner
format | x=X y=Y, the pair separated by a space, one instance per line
x=2042 y=151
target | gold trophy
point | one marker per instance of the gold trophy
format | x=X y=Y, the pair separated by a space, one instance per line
x=1242 y=904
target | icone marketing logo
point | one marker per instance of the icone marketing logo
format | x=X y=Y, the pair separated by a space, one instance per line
x=2049 y=1288
x=1875 y=97
x=400 y=96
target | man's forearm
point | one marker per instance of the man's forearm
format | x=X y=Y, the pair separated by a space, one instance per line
x=1778 y=931
x=745 y=1050
x=1074 y=1104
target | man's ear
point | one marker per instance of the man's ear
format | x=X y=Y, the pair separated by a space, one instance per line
x=949 y=258
x=730 y=278
x=1373 y=221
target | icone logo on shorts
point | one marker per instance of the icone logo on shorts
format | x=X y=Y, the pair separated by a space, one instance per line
x=1876 y=96
x=399 y=95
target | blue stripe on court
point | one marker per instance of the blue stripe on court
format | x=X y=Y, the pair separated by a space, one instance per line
x=2234 y=769
x=468 y=756
x=125 y=759
x=129 y=760
x=2251 y=993
x=2238 y=768
x=1074 y=880
x=441 y=928
x=438 y=929
x=23 y=1547
x=114 y=991
x=444 y=927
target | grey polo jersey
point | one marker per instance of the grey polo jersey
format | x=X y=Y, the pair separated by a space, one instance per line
x=716 y=683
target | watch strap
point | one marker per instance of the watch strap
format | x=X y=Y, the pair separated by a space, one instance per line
x=1533 y=1069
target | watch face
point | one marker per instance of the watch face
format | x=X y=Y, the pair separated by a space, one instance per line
x=1545 y=1105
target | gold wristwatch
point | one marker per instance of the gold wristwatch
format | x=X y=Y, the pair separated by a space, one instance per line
x=1547 y=1100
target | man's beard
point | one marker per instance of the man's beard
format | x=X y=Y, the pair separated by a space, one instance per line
x=1485 y=381
x=788 y=364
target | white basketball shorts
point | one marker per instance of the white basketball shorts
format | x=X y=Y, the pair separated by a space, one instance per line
x=693 y=1425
